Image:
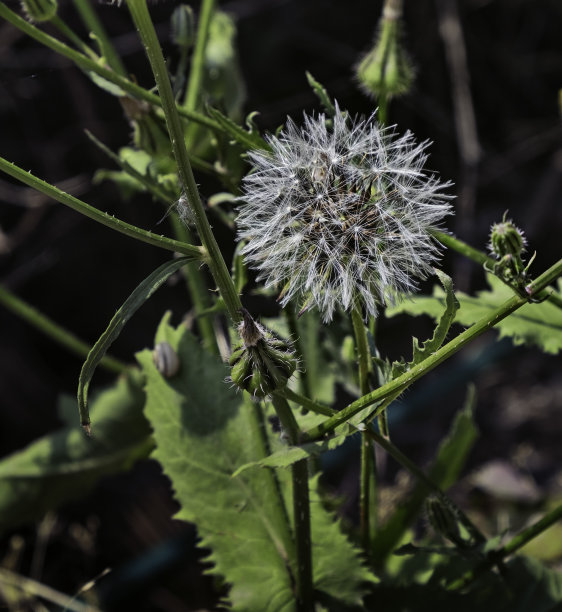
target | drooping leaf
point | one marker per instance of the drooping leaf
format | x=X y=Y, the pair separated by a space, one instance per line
x=449 y=460
x=66 y=464
x=532 y=324
x=139 y=296
x=204 y=430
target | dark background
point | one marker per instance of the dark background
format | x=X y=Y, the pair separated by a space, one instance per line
x=78 y=272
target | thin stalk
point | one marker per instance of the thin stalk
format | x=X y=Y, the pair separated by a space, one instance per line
x=292 y=323
x=496 y=556
x=446 y=351
x=481 y=258
x=198 y=291
x=92 y=22
x=97 y=215
x=214 y=259
x=301 y=509
x=89 y=65
x=192 y=91
x=55 y=331
x=66 y=31
x=367 y=474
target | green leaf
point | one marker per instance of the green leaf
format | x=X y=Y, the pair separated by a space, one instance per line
x=532 y=324
x=450 y=458
x=204 y=430
x=66 y=464
x=249 y=140
x=139 y=296
x=322 y=94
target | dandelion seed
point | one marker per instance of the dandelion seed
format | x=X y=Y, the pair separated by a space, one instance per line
x=341 y=215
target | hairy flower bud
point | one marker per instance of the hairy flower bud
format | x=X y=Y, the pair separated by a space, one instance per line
x=506 y=239
x=341 y=214
x=183 y=26
x=386 y=70
x=261 y=363
x=39 y=10
x=444 y=520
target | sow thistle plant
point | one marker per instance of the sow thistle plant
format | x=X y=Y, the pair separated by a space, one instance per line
x=340 y=219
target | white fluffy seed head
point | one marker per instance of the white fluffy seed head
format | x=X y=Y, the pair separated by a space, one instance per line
x=341 y=214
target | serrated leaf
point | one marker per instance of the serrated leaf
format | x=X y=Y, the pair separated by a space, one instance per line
x=66 y=464
x=137 y=298
x=249 y=140
x=203 y=431
x=322 y=94
x=449 y=460
x=532 y=324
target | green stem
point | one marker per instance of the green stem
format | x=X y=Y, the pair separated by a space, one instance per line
x=292 y=323
x=141 y=17
x=446 y=351
x=367 y=477
x=392 y=450
x=191 y=99
x=301 y=509
x=496 y=556
x=92 y=22
x=89 y=65
x=73 y=38
x=54 y=331
x=101 y=217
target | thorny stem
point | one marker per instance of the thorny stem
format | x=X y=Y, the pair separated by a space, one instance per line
x=367 y=452
x=141 y=17
x=97 y=215
x=56 y=332
x=401 y=382
x=496 y=556
x=301 y=508
x=89 y=65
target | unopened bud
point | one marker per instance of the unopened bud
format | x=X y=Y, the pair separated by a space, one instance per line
x=507 y=239
x=444 y=520
x=39 y=10
x=386 y=70
x=183 y=26
x=261 y=363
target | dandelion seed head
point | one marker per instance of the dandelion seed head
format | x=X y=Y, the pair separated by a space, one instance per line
x=341 y=215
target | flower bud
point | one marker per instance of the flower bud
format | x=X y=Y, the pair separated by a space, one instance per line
x=507 y=240
x=386 y=70
x=39 y=10
x=183 y=26
x=261 y=363
x=443 y=519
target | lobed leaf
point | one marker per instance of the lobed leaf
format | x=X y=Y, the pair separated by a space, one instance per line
x=532 y=324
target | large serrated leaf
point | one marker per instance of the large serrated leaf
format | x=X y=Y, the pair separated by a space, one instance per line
x=204 y=430
x=532 y=324
x=449 y=460
x=139 y=296
x=66 y=464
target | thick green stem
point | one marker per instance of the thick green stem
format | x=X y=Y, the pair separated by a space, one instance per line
x=89 y=65
x=497 y=556
x=54 y=330
x=141 y=17
x=92 y=22
x=301 y=509
x=97 y=215
x=367 y=478
x=402 y=382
